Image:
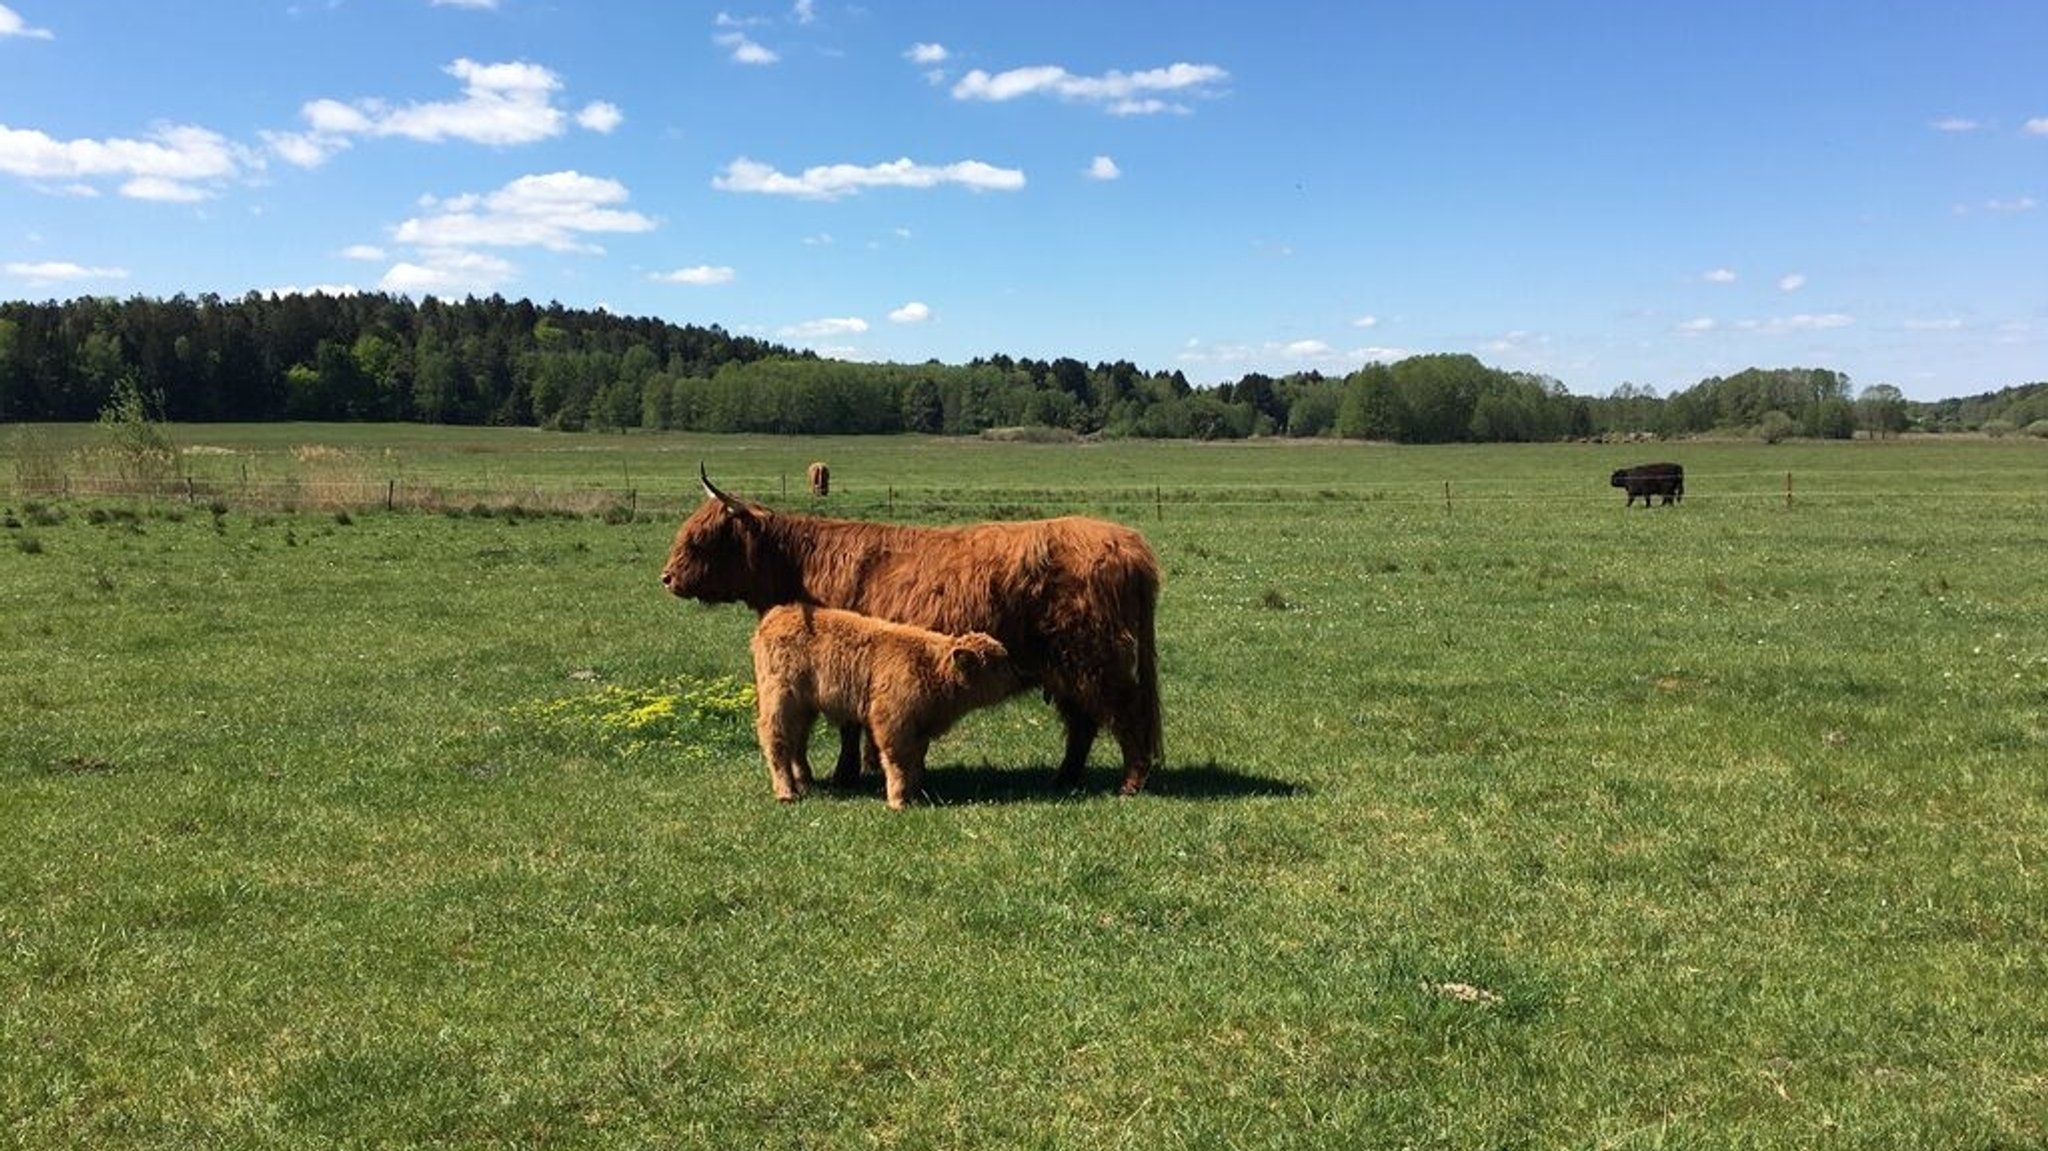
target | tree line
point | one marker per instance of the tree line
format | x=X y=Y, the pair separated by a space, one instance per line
x=374 y=356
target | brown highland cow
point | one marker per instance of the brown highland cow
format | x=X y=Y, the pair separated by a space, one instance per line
x=821 y=479
x=1072 y=599
x=906 y=686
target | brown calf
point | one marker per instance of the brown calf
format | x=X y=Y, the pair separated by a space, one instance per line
x=821 y=479
x=904 y=684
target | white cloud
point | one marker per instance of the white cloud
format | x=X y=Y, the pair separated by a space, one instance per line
x=501 y=105
x=448 y=273
x=53 y=271
x=1804 y=322
x=911 y=313
x=823 y=329
x=304 y=149
x=701 y=275
x=744 y=49
x=804 y=11
x=480 y=5
x=2008 y=207
x=1280 y=356
x=1366 y=322
x=1122 y=93
x=362 y=252
x=1699 y=326
x=927 y=54
x=553 y=211
x=831 y=181
x=819 y=240
x=1956 y=124
x=13 y=25
x=1103 y=168
x=177 y=162
x=600 y=116
x=1941 y=325
x=2038 y=126
x=1791 y=283
x=162 y=190
x=312 y=290
x=1719 y=276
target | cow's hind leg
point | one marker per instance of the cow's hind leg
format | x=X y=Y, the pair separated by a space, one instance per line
x=1137 y=749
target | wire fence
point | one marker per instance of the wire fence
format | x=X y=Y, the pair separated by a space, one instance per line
x=556 y=495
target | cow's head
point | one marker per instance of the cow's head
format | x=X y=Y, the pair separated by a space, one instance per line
x=1619 y=479
x=721 y=554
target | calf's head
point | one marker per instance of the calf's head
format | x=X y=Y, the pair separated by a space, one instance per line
x=984 y=665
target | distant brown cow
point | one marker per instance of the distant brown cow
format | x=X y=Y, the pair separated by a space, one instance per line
x=906 y=686
x=821 y=479
x=1073 y=599
x=1646 y=480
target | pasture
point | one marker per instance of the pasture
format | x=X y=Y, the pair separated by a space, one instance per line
x=1516 y=819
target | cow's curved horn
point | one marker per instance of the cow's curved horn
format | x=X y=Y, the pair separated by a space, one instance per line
x=711 y=489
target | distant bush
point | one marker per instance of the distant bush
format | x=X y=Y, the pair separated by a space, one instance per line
x=1996 y=429
x=1032 y=434
x=1775 y=427
x=2038 y=429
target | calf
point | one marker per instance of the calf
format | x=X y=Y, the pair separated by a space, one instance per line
x=821 y=479
x=1646 y=480
x=904 y=684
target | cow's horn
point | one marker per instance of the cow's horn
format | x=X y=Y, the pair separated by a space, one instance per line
x=711 y=489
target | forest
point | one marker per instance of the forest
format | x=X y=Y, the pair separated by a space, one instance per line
x=381 y=357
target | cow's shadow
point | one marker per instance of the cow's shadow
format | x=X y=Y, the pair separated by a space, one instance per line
x=947 y=784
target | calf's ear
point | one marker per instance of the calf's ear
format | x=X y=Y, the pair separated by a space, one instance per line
x=966 y=659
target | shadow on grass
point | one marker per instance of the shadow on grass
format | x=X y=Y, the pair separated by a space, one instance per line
x=949 y=784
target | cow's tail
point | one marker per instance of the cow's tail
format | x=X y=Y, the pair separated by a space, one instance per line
x=1153 y=719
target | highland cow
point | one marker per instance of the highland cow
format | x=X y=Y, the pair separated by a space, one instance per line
x=821 y=479
x=1646 y=480
x=1072 y=599
x=904 y=685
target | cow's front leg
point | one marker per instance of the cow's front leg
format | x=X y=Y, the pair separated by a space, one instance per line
x=1081 y=729
x=846 y=772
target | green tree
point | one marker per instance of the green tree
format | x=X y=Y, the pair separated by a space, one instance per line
x=1881 y=409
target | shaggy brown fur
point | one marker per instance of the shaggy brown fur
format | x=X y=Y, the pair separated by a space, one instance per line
x=821 y=479
x=1073 y=600
x=905 y=685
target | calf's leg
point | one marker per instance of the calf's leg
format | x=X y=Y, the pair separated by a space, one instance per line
x=902 y=772
x=784 y=731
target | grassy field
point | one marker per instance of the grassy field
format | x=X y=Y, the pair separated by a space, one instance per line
x=1521 y=820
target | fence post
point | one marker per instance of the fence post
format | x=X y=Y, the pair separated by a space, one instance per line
x=892 y=499
x=390 y=494
x=1788 y=489
x=1158 y=504
x=191 y=492
x=633 y=502
x=1447 y=495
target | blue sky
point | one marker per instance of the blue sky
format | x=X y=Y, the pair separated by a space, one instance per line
x=1605 y=192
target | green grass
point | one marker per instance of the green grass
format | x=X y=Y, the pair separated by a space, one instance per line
x=1530 y=822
